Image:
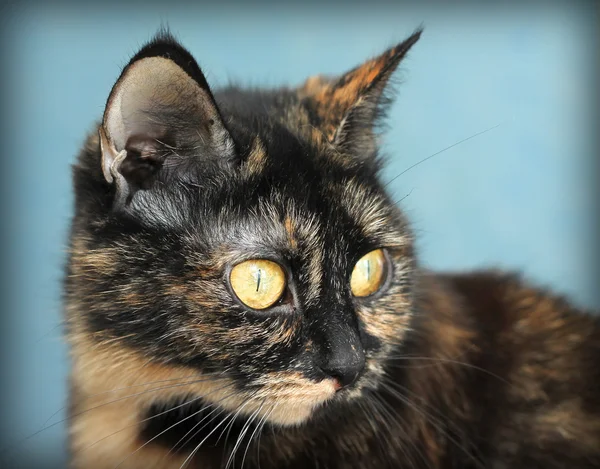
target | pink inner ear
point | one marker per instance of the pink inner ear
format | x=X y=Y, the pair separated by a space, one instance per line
x=147 y=86
x=154 y=94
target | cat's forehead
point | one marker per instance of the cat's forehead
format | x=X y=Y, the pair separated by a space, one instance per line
x=278 y=198
x=286 y=181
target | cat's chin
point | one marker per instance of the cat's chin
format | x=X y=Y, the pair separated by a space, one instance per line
x=284 y=399
x=294 y=405
x=298 y=411
x=292 y=416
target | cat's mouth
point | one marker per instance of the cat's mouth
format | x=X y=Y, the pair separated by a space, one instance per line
x=289 y=403
x=283 y=399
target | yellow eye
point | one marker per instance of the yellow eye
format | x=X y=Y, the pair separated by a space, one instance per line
x=258 y=283
x=369 y=273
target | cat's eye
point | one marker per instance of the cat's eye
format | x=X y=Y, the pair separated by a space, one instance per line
x=369 y=273
x=258 y=283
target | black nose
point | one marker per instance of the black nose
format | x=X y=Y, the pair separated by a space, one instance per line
x=345 y=370
x=341 y=356
x=337 y=347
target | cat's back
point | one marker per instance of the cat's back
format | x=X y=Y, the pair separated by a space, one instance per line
x=540 y=395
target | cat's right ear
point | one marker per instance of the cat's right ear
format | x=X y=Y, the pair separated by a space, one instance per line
x=160 y=107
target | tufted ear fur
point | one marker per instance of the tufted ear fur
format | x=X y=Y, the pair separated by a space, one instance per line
x=347 y=108
x=160 y=113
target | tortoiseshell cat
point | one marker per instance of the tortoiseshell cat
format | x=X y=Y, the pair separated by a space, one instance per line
x=241 y=291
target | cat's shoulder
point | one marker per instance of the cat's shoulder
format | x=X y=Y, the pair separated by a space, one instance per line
x=542 y=342
x=541 y=357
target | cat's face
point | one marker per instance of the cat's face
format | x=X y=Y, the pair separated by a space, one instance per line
x=243 y=235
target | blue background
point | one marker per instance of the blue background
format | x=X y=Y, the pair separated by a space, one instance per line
x=519 y=196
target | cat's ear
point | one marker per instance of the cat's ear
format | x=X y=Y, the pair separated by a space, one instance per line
x=160 y=108
x=347 y=108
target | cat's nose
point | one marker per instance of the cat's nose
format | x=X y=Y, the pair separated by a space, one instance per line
x=344 y=370
x=342 y=357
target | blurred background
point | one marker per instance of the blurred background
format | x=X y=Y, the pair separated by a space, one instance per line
x=522 y=196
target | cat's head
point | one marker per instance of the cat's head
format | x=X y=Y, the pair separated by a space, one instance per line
x=242 y=235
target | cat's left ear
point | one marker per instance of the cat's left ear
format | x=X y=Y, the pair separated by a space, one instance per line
x=346 y=109
x=159 y=114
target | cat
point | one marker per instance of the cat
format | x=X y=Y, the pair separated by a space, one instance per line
x=241 y=291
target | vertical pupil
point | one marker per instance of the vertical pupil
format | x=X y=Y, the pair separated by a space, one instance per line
x=368 y=270
x=258 y=279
